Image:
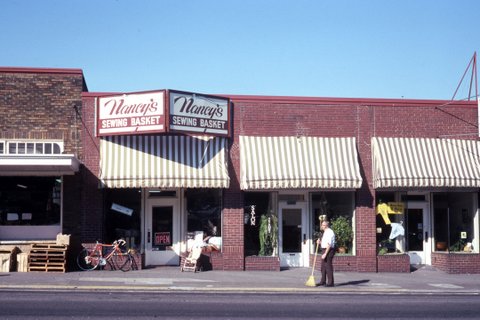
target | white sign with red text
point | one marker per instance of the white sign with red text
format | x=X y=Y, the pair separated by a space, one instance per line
x=196 y=113
x=131 y=113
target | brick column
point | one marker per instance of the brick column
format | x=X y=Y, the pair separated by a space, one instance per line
x=365 y=219
x=233 y=247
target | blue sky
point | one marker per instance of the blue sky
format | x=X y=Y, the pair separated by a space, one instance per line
x=374 y=49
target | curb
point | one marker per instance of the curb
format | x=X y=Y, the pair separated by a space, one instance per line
x=261 y=290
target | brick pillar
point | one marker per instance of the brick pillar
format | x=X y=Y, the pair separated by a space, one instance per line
x=365 y=211
x=233 y=235
x=233 y=247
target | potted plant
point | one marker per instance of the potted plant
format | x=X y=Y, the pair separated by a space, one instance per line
x=268 y=235
x=343 y=230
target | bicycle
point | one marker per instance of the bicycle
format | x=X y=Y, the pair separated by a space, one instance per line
x=90 y=258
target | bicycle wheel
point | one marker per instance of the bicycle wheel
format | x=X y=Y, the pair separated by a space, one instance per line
x=126 y=265
x=88 y=259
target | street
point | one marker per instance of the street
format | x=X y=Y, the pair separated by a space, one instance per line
x=170 y=305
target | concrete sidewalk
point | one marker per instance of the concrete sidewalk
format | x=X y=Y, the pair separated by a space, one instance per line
x=423 y=281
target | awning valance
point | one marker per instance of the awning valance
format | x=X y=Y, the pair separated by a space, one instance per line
x=299 y=162
x=146 y=161
x=423 y=162
x=38 y=165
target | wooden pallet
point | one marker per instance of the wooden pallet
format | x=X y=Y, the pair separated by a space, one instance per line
x=39 y=246
x=46 y=267
x=47 y=257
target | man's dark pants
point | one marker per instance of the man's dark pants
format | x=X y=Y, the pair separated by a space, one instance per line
x=327 y=268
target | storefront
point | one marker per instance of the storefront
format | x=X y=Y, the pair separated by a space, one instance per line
x=39 y=153
x=287 y=181
x=177 y=179
x=433 y=185
x=246 y=177
x=297 y=161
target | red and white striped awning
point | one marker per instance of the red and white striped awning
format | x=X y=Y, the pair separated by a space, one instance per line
x=298 y=162
x=424 y=162
x=148 y=161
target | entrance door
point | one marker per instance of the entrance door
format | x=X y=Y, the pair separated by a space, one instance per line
x=418 y=234
x=293 y=236
x=162 y=232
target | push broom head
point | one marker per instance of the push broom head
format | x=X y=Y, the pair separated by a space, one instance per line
x=311 y=282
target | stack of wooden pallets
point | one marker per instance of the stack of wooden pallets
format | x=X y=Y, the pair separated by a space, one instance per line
x=47 y=257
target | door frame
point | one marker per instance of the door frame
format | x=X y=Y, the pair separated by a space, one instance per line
x=301 y=259
x=168 y=257
x=425 y=256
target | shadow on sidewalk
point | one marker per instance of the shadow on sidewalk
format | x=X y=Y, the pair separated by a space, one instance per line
x=352 y=283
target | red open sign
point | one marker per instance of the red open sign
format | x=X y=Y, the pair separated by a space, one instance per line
x=162 y=238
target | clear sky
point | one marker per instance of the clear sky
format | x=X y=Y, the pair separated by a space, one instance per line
x=338 y=48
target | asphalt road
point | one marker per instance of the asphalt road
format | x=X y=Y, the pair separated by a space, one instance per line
x=157 y=305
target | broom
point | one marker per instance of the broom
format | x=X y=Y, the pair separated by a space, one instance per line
x=311 y=280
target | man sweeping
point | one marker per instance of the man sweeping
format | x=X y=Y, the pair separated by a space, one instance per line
x=328 y=251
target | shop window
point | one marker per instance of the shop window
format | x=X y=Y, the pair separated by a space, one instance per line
x=338 y=208
x=260 y=224
x=162 y=194
x=204 y=214
x=390 y=217
x=22 y=147
x=123 y=216
x=34 y=201
x=453 y=222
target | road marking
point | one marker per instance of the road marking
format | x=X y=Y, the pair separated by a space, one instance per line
x=445 y=285
x=153 y=281
x=379 y=285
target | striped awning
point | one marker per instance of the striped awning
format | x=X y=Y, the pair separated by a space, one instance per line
x=147 y=161
x=298 y=162
x=422 y=162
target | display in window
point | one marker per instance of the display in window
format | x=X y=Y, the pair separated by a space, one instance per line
x=30 y=201
x=342 y=227
x=336 y=207
x=204 y=226
x=268 y=235
x=453 y=214
x=260 y=224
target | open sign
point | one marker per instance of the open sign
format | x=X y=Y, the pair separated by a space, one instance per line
x=162 y=238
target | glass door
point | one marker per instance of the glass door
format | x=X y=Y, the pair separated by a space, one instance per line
x=293 y=235
x=162 y=232
x=418 y=234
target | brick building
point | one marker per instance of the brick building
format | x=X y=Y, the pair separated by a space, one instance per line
x=40 y=152
x=255 y=178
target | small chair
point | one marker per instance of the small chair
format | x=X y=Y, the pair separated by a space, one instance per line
x=191 y=262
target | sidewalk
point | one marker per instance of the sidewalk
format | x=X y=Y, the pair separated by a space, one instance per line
x=423 y=281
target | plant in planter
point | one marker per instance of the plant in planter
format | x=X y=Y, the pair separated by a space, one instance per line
x=268 y=235
x=343 y=230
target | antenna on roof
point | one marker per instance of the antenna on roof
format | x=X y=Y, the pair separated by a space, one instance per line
x=473 y=78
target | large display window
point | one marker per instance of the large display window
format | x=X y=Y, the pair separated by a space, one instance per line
x=337 y=207
x=449 y=226
x=30 y=201
x=123 y=216
x=204 y=216
x=260 y=224
x=454 y=215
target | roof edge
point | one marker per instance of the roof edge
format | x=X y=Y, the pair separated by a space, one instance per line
x=345 y=101
x=41 y=70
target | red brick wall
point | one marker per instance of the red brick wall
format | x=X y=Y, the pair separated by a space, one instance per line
x=362 y=119
x=393 y=263
x=262 y=263
x=456 y=262
x=340 y=262
x=92 y=222
x=39 y=104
